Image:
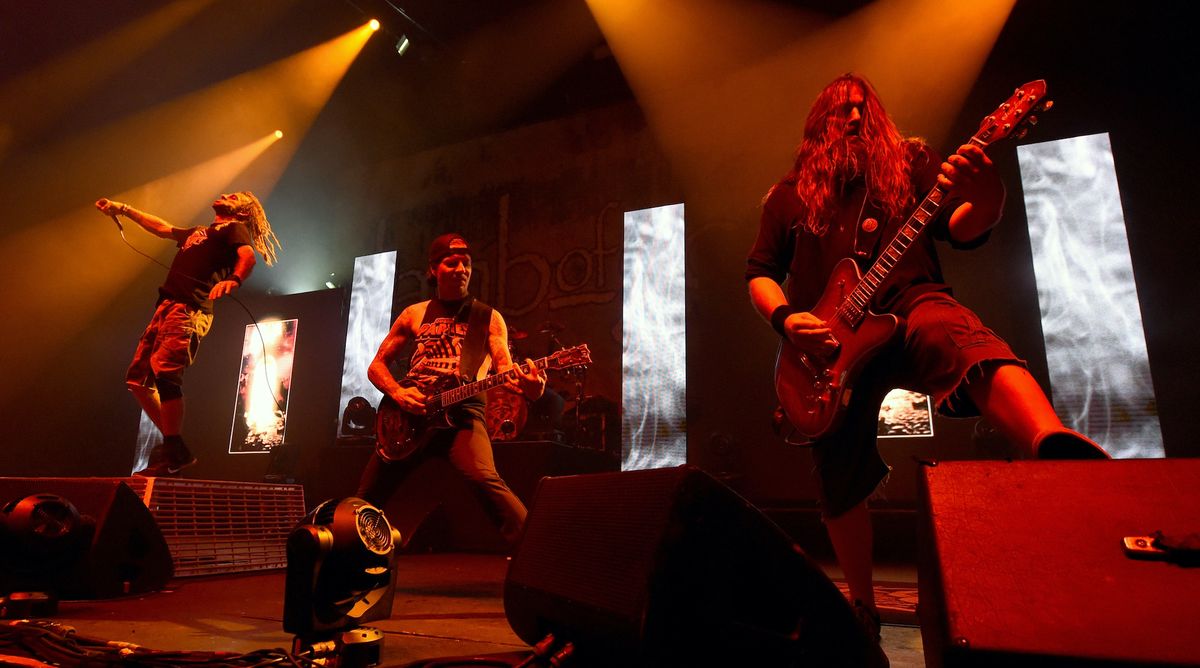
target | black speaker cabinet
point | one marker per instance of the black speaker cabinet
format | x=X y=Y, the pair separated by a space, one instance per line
x=122 y=552
x=1023 y=563
x=669 y=567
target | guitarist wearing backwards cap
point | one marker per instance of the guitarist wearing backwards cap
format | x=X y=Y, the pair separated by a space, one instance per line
x=854 y=182
x=440 y=329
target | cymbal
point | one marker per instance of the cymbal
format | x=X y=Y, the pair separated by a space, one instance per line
x=551 y=326
x=516 y=334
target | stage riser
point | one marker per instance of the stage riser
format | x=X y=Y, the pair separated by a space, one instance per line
x=217 y=526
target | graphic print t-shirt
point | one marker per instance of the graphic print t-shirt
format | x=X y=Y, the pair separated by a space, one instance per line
x=439 y=343
x=207 y=256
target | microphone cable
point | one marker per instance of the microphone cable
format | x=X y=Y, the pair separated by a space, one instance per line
x=261 y=339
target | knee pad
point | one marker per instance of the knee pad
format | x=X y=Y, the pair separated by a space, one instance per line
x=169 y=387
x=137 y=387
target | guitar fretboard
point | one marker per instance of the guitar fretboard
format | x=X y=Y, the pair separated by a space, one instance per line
x=855 y=306
x=856 y=303
x=462 y=392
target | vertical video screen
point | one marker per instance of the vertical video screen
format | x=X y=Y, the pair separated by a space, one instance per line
x=367 y=324
x=1091 y=318
x=264 y=385
x=654 y=340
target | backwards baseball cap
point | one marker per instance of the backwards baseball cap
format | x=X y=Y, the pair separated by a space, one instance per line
x=447 y=244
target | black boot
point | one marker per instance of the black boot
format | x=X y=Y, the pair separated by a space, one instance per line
x=869 y=621
x=1067 y=444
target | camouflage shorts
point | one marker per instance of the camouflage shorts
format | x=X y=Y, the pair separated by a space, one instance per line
x=169 y=344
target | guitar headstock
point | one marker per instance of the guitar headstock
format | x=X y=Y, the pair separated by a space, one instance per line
x=1014 y=116
x=569 y=357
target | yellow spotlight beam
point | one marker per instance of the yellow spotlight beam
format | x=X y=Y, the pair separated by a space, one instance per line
x=287 y=95
x=76 y=264
x=924 y=56
x=34 y=100
x=297 y=89
x=727 y=97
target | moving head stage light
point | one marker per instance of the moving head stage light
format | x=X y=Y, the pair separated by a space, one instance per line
x=341 y=573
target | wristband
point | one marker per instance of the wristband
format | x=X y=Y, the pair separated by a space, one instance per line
x=780 y=314
x=235 y=278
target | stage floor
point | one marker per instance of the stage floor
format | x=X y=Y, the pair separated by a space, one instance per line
x=446 y=605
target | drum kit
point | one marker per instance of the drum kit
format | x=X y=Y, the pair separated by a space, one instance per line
x=584 y=421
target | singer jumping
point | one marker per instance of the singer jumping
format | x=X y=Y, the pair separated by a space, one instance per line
x=212 y=262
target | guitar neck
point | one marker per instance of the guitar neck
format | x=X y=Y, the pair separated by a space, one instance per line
x=463 y=392
x=858 y=301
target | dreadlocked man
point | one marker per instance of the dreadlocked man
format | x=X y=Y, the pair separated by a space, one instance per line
x=212 y=262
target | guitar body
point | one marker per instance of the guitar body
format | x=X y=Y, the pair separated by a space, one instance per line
x=400 y=434
x=814 y=391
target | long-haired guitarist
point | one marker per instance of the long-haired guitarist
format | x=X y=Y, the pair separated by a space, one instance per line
x=439 y=328
x=854 y=182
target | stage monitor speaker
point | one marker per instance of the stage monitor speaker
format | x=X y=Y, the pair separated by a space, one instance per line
x=123 y=551
x=668 y=567
x=1023 y=563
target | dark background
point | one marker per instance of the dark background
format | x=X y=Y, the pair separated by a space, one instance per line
x=383 y=168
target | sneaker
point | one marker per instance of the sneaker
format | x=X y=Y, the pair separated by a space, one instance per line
x=178 y=457
x=157 y=468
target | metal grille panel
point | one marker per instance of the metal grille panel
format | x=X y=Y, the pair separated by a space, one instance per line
x=216 y=526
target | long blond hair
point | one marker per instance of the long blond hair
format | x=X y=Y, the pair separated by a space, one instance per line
x=262 y=236
x=823 y=156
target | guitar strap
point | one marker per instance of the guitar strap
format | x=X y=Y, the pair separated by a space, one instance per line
x=475 y=344
x=866 y=230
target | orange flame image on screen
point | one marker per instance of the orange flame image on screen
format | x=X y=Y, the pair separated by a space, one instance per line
x=267 y=355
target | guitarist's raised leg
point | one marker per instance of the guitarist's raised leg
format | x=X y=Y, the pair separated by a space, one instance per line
x=1008 y=396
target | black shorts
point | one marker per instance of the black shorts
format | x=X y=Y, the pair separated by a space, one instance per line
x=942 y=348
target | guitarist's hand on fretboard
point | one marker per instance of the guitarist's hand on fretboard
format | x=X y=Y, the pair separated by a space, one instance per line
x=529 y=379
x=970 y=177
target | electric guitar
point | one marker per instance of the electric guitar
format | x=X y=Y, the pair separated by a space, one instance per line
x=814 y=390
x=400 y=434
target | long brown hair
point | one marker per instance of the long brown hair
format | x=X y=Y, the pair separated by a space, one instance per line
x=826 y=160
x=263 y=237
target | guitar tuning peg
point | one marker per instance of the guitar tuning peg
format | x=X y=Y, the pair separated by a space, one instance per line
x=1021 y=133
x=1033 y=120
x=1047 y=104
